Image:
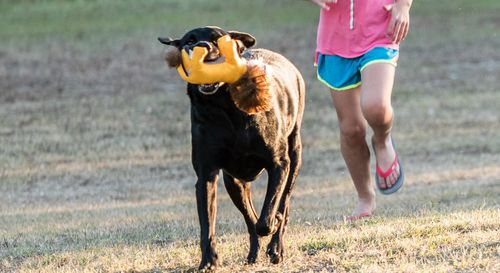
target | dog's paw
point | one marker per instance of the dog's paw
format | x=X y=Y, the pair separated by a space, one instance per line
x=275 y=255
x=208 y=263
x=253 y=252
x=252 y=256
x=251 y=259
x=275 y=258
x=207 y=267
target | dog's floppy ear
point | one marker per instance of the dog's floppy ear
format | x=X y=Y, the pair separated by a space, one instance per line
x=247 y=39
x=172 y=54
x=170 y=41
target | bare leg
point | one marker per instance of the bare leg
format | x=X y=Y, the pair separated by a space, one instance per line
x=354 y=148
x=376 y=90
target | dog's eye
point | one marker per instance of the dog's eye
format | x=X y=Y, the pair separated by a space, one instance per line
x=191 y=41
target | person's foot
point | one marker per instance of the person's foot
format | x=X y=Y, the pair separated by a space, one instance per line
x=365 y=208
x=388 y=173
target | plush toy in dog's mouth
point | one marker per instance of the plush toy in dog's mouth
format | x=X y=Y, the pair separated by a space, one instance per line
x=209 y=60
x=193 y=67
x=209 y=88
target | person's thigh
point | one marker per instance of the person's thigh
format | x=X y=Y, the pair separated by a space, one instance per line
x=376 y=90
x=350 y=116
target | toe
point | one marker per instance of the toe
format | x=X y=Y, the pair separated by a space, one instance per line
x=381 y=181
x=393 y=179
x=390 y=180
x=394 y=176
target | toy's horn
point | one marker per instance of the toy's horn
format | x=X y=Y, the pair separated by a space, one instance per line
x=198 y=72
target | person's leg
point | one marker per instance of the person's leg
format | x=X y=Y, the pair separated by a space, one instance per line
x=376 y=90
x=354 y=148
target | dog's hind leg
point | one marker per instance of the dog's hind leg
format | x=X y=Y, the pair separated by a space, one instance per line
x=240 y=193
x=206 y=201
x=275 y=248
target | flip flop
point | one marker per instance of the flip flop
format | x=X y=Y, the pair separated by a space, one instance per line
x=351 y=218
x=384 y=174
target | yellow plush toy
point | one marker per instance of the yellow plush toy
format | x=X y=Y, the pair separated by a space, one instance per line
x=198 y=72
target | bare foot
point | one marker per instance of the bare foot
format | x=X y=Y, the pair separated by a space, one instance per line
x=366 y=207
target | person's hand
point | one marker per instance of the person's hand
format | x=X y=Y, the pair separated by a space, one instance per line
x=324 y=3
x=399 y=24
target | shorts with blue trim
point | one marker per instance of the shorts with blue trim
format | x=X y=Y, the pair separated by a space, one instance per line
x=341 y=73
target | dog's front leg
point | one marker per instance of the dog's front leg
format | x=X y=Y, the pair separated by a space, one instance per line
x=270 y=218
x=206 y=199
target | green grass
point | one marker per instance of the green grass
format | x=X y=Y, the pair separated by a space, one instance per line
x=95 y=171
x=94 y=23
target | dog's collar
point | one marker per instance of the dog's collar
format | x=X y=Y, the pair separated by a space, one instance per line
x=208 y=93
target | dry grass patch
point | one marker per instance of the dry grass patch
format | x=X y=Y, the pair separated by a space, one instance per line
x=428 y=243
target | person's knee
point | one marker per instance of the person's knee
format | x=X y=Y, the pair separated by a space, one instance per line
x=377 y=113
x=353 y=132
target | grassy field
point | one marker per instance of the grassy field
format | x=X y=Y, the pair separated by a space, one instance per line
x=95 y=171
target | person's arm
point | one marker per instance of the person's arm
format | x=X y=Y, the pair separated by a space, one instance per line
x=324 y=3
x=400 y=20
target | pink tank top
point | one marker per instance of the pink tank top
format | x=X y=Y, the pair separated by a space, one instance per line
x=352 y=27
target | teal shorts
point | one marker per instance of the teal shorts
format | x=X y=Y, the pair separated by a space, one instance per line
x=341 y=73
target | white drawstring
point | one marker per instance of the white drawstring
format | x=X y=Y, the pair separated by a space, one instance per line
x=351 y=22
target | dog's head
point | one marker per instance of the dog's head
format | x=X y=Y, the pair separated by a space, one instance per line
x=205 y=37
x=250 y=92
